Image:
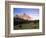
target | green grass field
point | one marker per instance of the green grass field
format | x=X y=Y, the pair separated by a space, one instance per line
x=30 y=25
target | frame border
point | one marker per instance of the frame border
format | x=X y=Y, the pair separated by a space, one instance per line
x=7 y=19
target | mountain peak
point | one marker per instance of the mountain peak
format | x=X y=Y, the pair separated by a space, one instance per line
x=23 y=16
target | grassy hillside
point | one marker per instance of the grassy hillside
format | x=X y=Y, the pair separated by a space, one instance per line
x=25 y=24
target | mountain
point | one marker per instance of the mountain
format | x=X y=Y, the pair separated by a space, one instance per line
x=23 y=16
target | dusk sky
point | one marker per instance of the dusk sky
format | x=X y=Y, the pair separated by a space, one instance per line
x=29 y=11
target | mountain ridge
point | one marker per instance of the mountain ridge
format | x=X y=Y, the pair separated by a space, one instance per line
x=25 y=16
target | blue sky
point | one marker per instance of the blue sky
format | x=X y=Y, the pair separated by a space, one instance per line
x=30 y=11
x=25 y=10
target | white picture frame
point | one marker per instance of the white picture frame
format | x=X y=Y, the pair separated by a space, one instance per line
x=9 y=5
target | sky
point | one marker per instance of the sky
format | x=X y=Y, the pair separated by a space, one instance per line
x=29 y=11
